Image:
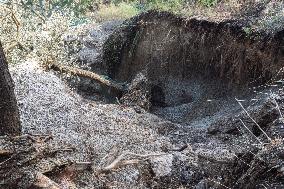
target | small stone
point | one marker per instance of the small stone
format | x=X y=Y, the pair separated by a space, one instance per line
x=201 y=185
x=162 y=166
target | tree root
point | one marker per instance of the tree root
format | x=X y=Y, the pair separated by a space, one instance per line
x=87 y=74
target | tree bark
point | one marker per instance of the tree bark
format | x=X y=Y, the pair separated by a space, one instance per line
x=9 y=114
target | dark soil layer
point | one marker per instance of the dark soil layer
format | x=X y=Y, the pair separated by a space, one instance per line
x=187 y=49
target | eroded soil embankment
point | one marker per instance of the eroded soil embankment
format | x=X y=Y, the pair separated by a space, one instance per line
x=192 y=61
x=173 y=46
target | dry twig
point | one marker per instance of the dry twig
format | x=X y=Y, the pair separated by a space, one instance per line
x=278 y=108
x=250 y=131
x=254 y=120
x=120 y=162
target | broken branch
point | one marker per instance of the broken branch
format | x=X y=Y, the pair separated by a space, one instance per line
x=258 y=126
x=120 y=162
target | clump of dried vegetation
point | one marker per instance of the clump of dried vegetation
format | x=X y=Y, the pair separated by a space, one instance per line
x=34 y=30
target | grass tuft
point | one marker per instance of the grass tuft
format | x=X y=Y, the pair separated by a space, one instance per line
x=114 y=11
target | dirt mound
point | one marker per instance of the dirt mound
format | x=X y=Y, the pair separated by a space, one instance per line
x=94 y=130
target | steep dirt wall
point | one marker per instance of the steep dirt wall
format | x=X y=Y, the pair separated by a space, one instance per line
x=188 y=59
x=168 y=45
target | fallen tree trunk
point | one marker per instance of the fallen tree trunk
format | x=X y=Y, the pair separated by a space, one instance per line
x=88 y=74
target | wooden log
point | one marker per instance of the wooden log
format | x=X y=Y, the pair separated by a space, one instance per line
x=88 y=74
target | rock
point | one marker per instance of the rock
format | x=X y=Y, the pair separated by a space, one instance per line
x=202 y=185
x=110 y=26
x=88 y=56
x=162 y=166
x=88 y=46
x=138 y=92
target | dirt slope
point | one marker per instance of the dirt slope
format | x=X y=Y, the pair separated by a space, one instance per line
x=99 y=133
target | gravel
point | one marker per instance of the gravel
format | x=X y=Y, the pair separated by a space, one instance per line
x=48 y=106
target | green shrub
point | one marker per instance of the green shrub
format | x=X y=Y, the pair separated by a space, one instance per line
x=143 y=5
x=167 y=5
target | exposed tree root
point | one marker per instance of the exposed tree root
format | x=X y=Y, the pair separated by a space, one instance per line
x=88 y=74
